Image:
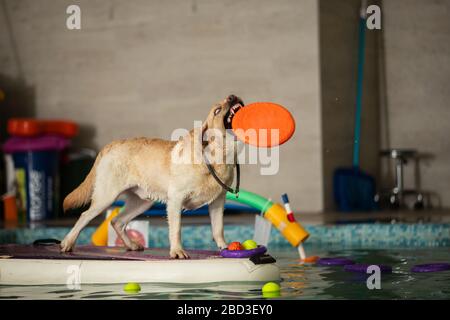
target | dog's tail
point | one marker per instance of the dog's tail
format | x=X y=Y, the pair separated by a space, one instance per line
x=82 y=194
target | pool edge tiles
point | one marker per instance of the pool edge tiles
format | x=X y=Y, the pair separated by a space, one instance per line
x=199 y=236
x=379 y=234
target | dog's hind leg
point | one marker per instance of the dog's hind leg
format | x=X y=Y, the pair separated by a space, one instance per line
x=134 y=206
x=94 y=210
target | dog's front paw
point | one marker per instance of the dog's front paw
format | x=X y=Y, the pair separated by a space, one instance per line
x=178 y=253
x=221 y=244
x=66 y=245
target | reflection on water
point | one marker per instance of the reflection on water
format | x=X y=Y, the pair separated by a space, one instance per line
x=300 y=281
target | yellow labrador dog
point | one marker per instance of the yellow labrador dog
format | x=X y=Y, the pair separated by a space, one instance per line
x=148 y=170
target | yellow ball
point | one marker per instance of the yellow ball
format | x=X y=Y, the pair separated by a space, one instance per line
x=132 y=287
x=275 y=294
x=249 y=244
x=271 y=287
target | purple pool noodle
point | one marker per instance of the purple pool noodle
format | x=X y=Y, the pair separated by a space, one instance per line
x=337 y=261
x=362 y=268
x=242 y=253
x=431 y=267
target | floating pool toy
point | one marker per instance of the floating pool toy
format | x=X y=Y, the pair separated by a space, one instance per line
x=233 y=246
x=431 y=267
x=291 y=218
x=263 y=124
x=337 y=261
x=362 y=268
x=132 y=287
x=311 y=259
x=260 y=250
x=116 y=265
x=249 y=244
x=275 y=213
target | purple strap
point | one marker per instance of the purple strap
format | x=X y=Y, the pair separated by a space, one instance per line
x=242 y=253
x=362 y=268
x=431 y=267
x=336 y=261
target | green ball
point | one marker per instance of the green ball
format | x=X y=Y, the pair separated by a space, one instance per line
x=271 y=287
x=249 y=244
x=132 y=287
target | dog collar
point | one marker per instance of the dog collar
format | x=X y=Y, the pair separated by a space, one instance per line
x=221 y=183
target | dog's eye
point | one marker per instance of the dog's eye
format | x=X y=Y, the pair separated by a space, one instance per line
x=217 y=111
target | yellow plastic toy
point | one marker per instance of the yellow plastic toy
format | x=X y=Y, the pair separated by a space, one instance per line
x=292 y=231
x=100 y=236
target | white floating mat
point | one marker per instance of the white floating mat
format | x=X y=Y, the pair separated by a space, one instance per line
x=45 y=265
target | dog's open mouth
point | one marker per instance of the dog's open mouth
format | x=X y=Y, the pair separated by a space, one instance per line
x=230 y=114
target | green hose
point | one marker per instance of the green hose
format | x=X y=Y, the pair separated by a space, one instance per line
x=251 y=199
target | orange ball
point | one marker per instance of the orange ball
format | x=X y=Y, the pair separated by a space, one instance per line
x=235 y=246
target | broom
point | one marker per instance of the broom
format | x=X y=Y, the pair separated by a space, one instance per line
x=354 y=190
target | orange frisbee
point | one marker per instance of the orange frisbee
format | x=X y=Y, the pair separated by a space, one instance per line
x=263 y=124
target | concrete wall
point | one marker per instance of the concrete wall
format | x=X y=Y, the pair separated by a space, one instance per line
x=146 y=67
x=417 y=54
x=339 y=22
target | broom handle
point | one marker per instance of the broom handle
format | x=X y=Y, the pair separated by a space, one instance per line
x=359 y=83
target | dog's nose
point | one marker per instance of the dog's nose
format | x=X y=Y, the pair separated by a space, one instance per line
x=232 y=100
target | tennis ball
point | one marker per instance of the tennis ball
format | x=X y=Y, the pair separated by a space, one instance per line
x=271 y=290
x=132 y=287
x=249 y=244
x=235 y=246
x=274 y=294
x=271 y=287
